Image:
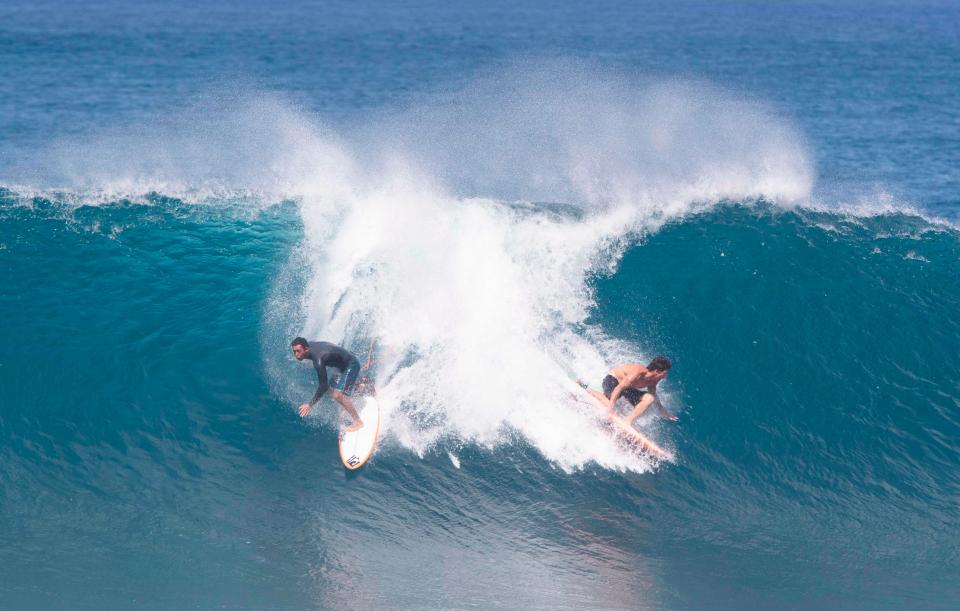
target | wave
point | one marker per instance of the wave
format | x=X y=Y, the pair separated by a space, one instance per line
x=431 y=230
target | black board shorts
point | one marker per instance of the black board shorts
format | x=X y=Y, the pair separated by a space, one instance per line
x=633 y=395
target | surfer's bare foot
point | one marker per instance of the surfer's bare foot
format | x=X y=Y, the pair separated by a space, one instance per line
x=354 y=427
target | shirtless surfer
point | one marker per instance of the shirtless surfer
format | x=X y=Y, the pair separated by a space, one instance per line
x=323 y=355
x=638 y=385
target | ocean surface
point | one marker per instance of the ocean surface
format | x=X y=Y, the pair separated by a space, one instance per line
x=488 y=199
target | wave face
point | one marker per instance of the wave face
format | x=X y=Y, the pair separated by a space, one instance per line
x=485 y=241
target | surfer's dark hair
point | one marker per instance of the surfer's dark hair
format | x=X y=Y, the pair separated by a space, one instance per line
x=660 y=363
x=299 y=341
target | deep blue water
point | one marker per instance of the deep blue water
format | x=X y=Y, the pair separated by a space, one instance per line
x=500 y=195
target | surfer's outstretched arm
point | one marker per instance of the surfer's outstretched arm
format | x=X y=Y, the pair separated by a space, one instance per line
x=656 y=402
x=322 y=385
x=663 y=411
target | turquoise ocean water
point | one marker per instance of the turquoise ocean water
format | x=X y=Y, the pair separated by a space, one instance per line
x=501 y=195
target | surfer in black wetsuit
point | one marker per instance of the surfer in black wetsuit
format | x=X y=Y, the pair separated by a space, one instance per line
x=323 y=355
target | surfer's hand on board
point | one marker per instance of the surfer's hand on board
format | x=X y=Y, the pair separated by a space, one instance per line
x=305 y=410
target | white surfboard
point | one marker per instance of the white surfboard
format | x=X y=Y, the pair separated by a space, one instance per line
x=619 y=425
x=357 y=447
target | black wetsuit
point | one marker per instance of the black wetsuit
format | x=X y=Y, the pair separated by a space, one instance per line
x=325 y=354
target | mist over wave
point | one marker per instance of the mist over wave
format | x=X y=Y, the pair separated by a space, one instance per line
x=578 y=133
x=539 y=131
